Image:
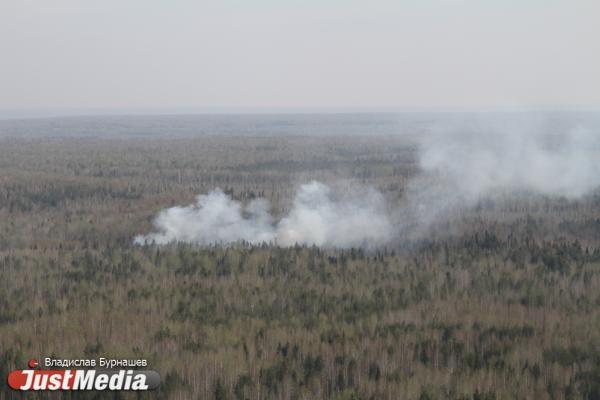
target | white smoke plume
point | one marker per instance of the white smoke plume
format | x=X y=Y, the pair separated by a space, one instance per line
x=459 y=167
x=559 y=165
x=462 y=168
x=316 y=217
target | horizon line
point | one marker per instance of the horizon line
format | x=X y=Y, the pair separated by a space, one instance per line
x=58 y=112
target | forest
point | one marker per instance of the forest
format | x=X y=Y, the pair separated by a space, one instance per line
x=499 y=302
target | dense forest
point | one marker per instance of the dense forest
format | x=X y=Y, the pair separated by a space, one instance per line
x=499 y=302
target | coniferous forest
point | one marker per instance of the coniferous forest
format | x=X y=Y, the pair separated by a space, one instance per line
x=500 y=301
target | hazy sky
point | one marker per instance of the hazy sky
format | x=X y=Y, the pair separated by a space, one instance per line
x=299 y=53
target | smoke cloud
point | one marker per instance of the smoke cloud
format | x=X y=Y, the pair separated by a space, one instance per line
x=461 y=168
x=464 y=165
x=316 y=217
x=458 y=168
x=477 y=164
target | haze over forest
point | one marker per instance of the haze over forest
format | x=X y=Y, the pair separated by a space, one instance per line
x=304 y=199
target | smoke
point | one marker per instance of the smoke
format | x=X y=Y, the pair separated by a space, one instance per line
x=459 y=167
x=316 y=217
x=215 y=218
x=477 y=164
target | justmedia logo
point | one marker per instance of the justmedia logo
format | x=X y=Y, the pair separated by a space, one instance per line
x=82 y=379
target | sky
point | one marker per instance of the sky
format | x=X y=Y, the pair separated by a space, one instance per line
x=268 y=54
